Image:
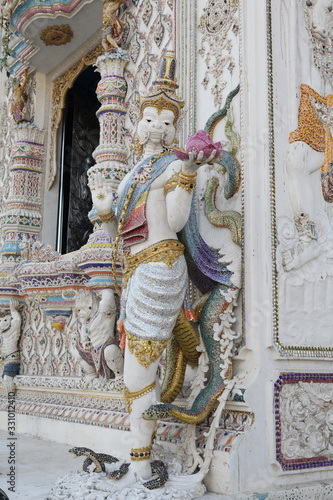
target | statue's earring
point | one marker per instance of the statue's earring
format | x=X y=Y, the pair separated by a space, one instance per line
x=172 y=144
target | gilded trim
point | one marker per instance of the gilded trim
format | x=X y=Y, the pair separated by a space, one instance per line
x=167 y=251
x=130 y=396
x=146 y=351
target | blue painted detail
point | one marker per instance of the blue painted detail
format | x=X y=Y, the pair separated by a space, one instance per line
x=238 y=395
x=18 y=49
x=11 y=369
x=57 y=298
x=11 y=247
x=15 y=68
x=55 y=312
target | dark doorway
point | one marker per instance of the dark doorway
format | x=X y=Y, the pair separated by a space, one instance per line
x=80 y=136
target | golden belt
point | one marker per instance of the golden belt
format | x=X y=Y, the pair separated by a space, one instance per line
x=167 y=251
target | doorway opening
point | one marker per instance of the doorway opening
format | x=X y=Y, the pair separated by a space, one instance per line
x=80 y=137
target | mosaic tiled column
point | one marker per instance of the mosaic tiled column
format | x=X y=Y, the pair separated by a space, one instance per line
x=111 y=153
x=111 y=160
x=22 y=219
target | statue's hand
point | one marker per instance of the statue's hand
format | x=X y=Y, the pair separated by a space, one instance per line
x=14 y=304
x=196 y=160
x=101 y=193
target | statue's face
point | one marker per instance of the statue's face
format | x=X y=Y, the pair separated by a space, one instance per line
x=84 y=310
x=5 y=323
x=320 y=14
x=157 y=126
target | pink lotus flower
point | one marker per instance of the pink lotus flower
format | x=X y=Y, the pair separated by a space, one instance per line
x=199 y=142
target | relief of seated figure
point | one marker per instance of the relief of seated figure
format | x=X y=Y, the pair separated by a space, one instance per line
x=97 y=349
x=10 y=331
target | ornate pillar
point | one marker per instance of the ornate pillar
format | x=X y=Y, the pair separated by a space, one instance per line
x=111 y=160
x=111 y=153
x=21 y=221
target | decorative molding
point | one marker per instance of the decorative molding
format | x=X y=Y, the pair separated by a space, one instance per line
x=24 y=11
x=57 y=35
x=102 y=404
x=301 y=238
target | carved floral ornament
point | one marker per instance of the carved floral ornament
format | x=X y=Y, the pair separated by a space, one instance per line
x=57 y=35
x=304 y=420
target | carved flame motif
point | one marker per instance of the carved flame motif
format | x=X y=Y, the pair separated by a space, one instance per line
x=57 y=35
x=218 y=20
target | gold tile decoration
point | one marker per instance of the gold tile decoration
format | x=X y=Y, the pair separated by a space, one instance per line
x=314 y=128
x=57 y=35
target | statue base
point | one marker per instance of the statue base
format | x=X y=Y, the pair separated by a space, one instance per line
x=78 y=485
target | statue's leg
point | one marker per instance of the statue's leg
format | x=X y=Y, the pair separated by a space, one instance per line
x=114 y=359
x=141 y=391
x=88 y=371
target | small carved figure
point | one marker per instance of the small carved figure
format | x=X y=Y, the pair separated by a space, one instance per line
x=320 y=14
x=112 y=25
x=307 y=247
x=19 y=104
x=10 y=330
x=319 y=22
x=98 y=350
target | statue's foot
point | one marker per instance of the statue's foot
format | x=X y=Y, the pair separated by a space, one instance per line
x=156 y=412
x=136 y=472
x=9 y=384
x=89 y=377
x=119 y=473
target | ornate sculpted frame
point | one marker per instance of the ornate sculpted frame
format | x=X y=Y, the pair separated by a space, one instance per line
x=298 y=351
x=61 y=86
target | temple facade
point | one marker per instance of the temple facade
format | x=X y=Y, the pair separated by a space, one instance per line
x=254 y=396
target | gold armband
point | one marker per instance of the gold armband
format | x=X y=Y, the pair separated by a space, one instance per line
x=182 y=180
x=171 y=183
x=108 y=217
x=186 y=181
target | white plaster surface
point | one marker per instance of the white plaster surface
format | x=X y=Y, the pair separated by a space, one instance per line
x=39 y=463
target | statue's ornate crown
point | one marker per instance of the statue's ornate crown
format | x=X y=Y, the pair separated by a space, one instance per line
x=164 y=95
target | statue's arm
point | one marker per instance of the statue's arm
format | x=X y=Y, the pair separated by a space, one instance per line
x=178 y=198
x=16 y=316
x=180 y=182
